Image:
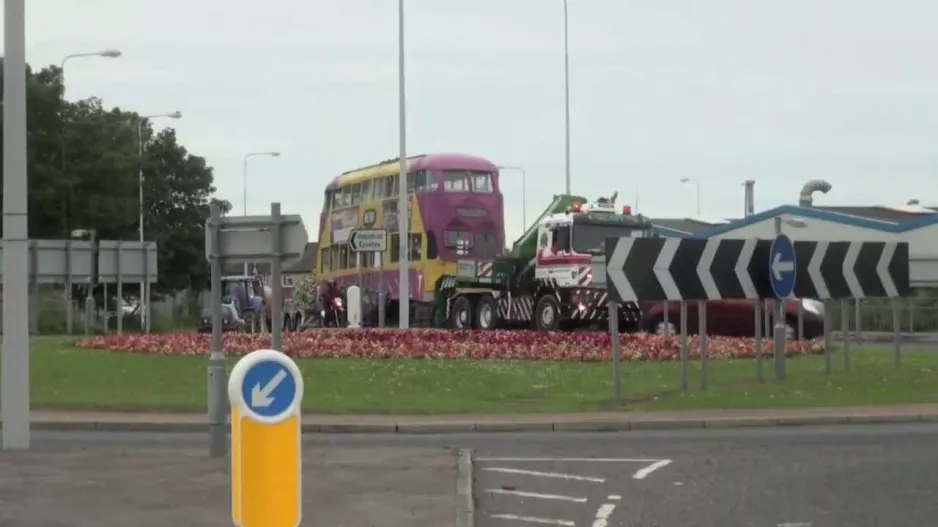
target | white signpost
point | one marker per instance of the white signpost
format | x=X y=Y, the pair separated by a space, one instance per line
x=369 y=241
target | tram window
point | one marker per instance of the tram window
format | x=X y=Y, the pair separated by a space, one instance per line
x=368 y=190
x=394 y=183
x=355 y=194
x=411 y=183
x=416 y=240
x=379 y=188
x=395 y=242
x=335 y=197
x=431 y=183
x=369 y=260
x=324 y=260
x=460 y=240
x=334 y=258
x=482 y=183
x=433 y=251
x=486 y=245
x=455 y=181
x=343 y=257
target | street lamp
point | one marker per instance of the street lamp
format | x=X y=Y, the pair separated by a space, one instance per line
x=524 y=191
x=144 y=313
x=107 y=53
x=244 y=175
x=66 y=204
x=566 y=95
x=697 y=184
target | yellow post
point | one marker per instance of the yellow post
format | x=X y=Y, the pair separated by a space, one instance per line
x=266 y=391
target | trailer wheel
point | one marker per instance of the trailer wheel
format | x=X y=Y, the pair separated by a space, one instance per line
x=460 y=314
x=547 y=314
x=486 y=313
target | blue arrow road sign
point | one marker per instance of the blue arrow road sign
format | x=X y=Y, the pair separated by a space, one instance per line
x=268 y=389
x=782 y=266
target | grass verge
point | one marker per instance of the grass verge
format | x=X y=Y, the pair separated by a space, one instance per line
x=67 y=377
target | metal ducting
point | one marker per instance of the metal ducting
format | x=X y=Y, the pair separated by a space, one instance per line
x=749 y=198
x=806 y=199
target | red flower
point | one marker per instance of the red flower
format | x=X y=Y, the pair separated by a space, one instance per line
x=443 y=344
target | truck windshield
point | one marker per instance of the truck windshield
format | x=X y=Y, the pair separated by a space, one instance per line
x=591 y=239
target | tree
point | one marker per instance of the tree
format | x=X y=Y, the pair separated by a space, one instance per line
x=83 y=163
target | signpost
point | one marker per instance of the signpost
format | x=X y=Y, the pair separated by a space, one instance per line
x=782 y=274
x=368 y=240
x=235 y=239
x=374 y=241
x=265 y=391
x=687 y=269
x=844 y=270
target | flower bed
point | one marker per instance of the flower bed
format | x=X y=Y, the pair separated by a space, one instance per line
x=442 y=344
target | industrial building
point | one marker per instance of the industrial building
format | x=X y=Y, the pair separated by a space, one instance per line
x=911 y=222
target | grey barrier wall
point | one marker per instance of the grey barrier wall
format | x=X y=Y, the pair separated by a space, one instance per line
x=71 y=262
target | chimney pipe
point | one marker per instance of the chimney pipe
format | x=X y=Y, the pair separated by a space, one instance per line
x=806 y=199
x=749 y=205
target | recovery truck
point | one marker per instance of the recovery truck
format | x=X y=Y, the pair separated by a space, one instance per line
x=545 y=281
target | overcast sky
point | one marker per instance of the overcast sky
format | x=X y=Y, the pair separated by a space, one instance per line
x=720 y=91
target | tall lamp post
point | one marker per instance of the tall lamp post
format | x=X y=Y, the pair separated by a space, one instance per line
x=66 y=203
x=14 y=388
x=696 y=183
x=524 y=191
x=244 y=182
x=566 y=95
x=244 y=175
x=144 y=307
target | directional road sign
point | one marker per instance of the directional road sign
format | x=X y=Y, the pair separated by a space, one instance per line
x=639 y=269
x=852 y=269
x=266 y=390
x=368 y=240
x=782 y=268
x=251 y=238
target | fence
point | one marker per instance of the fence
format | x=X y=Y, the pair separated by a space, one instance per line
x=876 y=316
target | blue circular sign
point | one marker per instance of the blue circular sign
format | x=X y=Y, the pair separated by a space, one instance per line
x=782 y=266
x=268 y=388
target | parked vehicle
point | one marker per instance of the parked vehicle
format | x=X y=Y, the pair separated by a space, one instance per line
x=230 y=321
x=732 y=318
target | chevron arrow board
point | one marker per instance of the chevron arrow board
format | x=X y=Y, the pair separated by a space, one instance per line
x=640 y=269
x=852 y=269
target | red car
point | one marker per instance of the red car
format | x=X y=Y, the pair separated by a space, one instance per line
x=732 y=318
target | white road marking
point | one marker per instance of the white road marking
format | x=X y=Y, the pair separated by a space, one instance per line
x=577 y=459
x=523 y=494
x=602 y=515
x=641 y=474
x=533 y=519
x=614 y=497
x=557 y=475
x=795 y=524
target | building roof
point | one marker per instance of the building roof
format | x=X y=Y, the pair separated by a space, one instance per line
x=882 y=213
x=681 y=226
x=903 y=222
x=306 y=263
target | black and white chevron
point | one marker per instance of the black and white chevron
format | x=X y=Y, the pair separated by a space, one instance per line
x=852 y=269
x=640 y=269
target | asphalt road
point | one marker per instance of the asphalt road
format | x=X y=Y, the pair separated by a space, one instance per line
x=775 y=477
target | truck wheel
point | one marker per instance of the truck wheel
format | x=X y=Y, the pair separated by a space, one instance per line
x=460 y=314
x=547 y=314
x=486 y=313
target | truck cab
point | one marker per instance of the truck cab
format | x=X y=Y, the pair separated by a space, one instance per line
x=546 y=282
